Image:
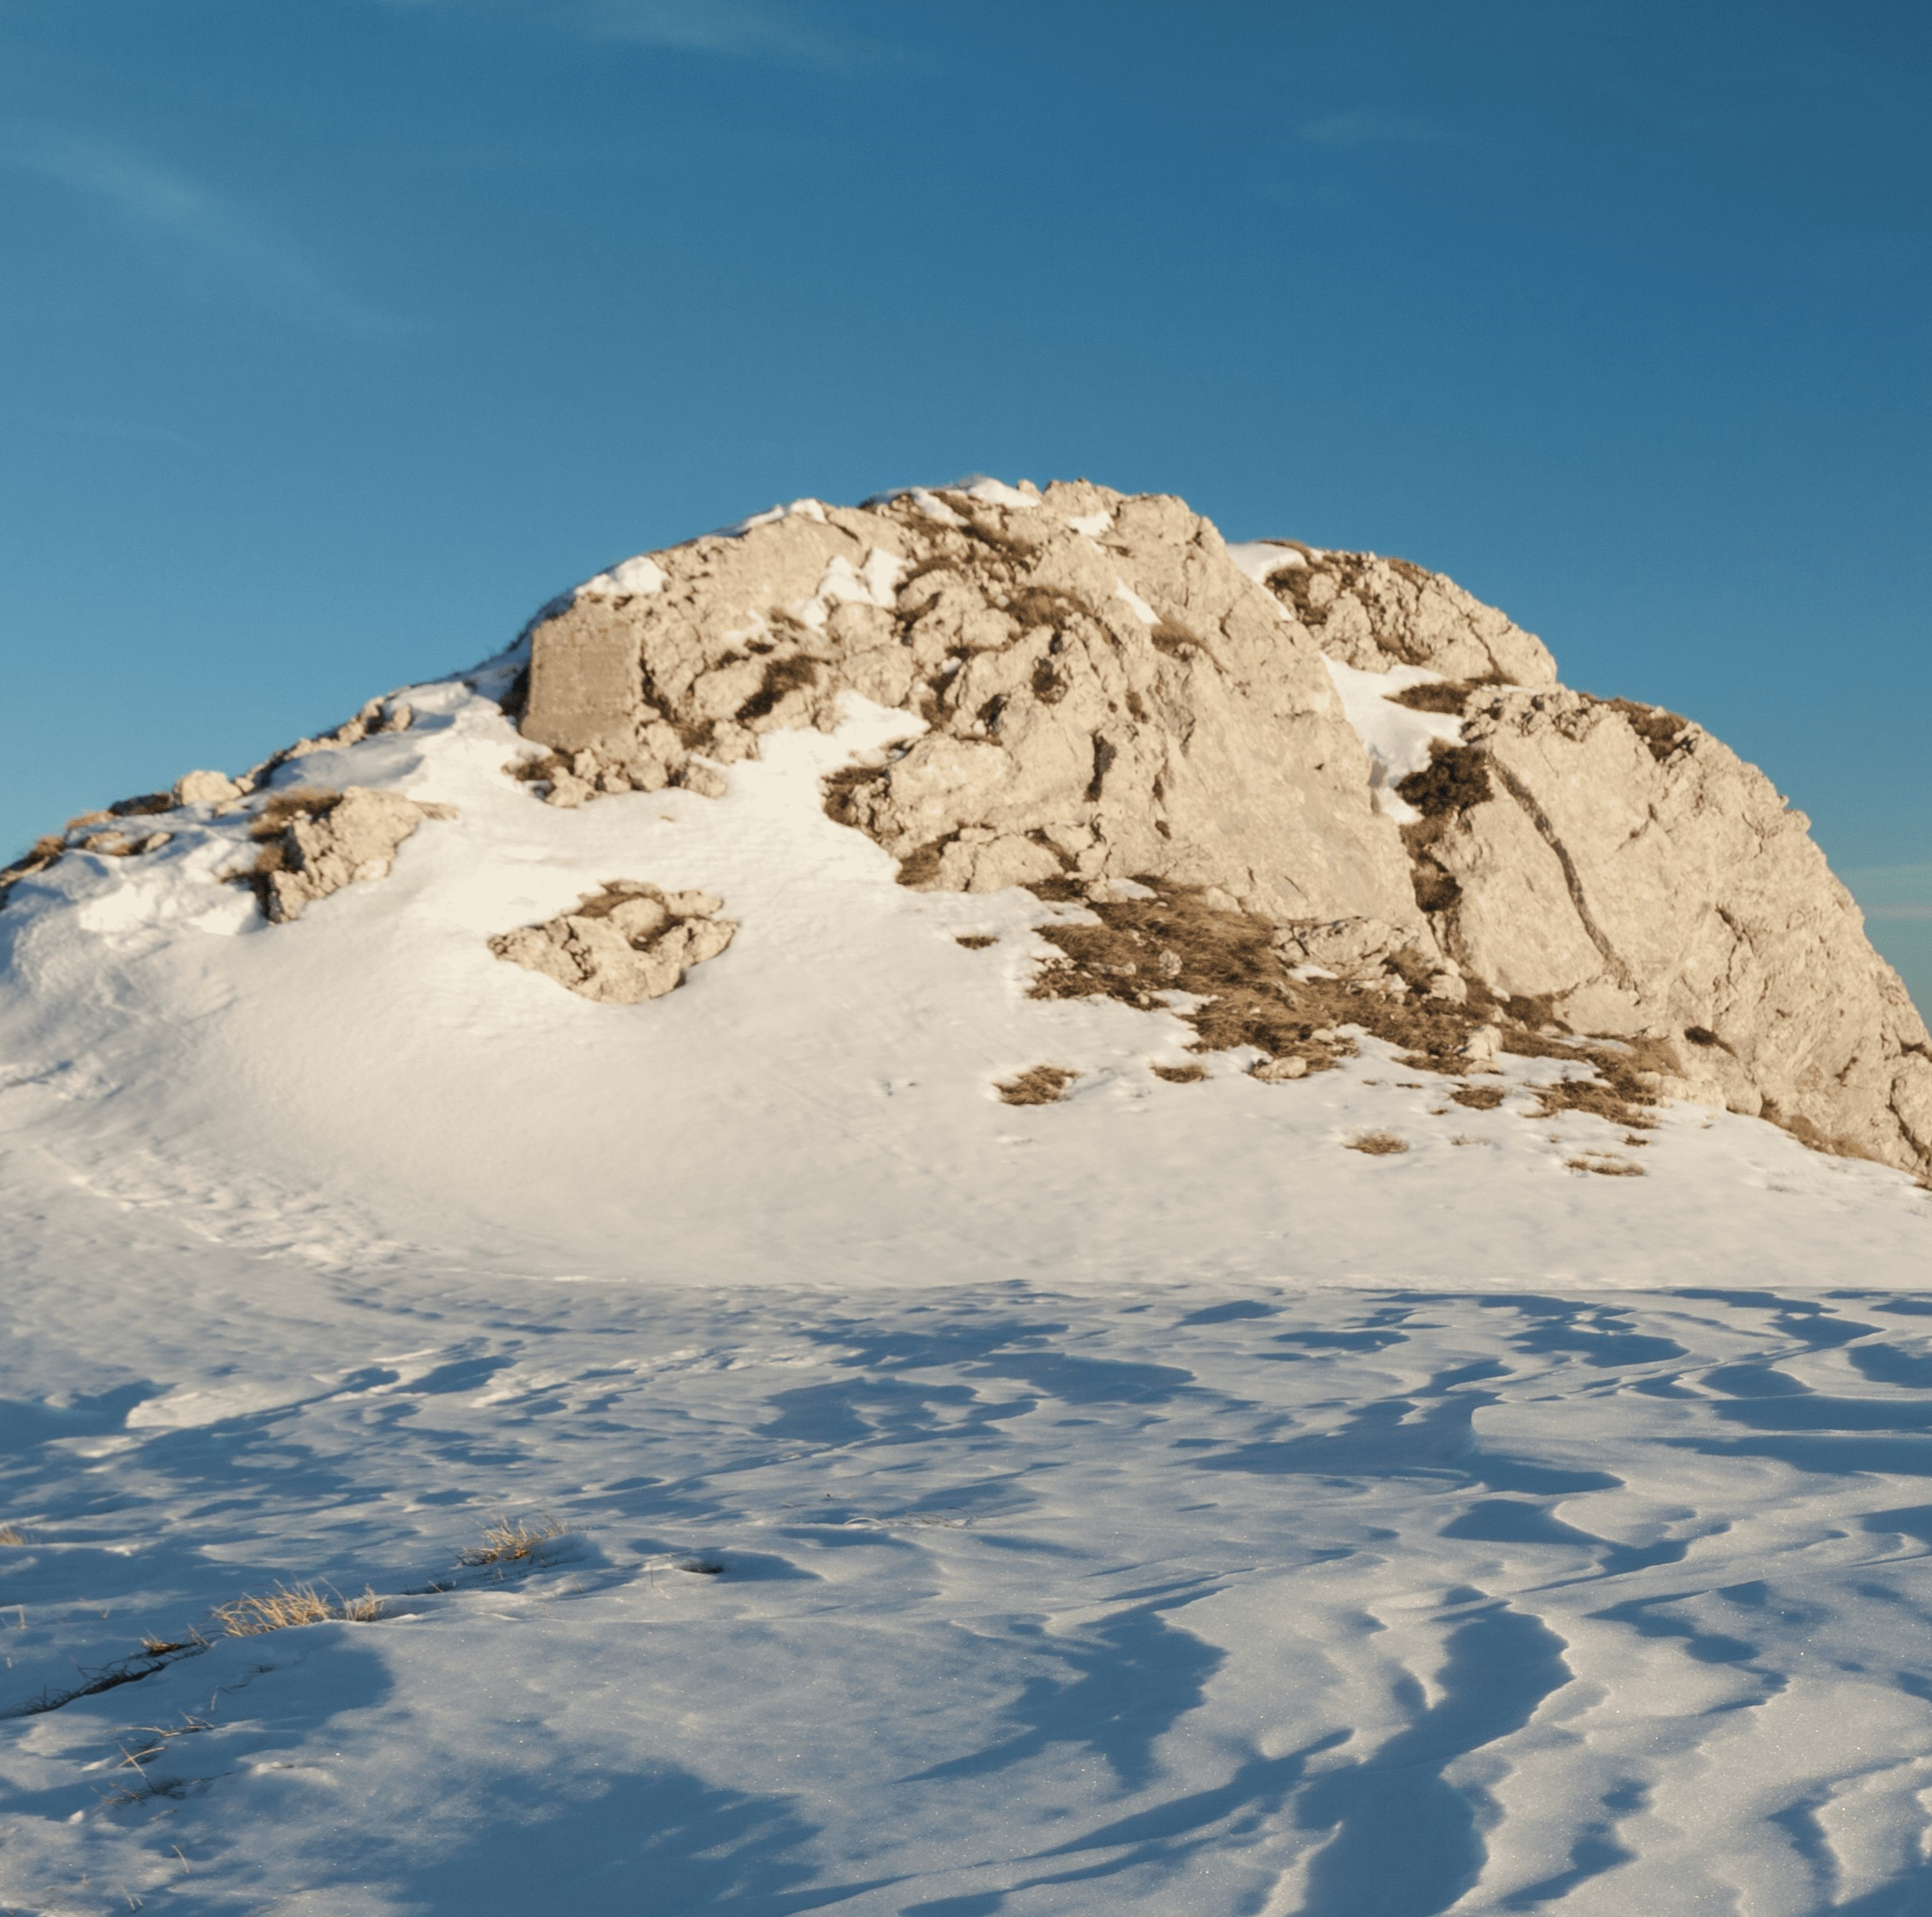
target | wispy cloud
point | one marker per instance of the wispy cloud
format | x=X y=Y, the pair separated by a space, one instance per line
x=753 y=27
x=192 y=225
x=1893 y=892
x=744 y=29
x=1375 y=129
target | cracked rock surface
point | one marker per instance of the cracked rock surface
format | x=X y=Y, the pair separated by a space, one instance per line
x=313 y=843
x=1112 y=694
x=628 y=942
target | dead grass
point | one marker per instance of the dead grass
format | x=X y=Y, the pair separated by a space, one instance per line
x=1138 y=951
x=976 y=941
x=1605 y=1165
x=281 y=809
x=1455 y=778
x=1043 y=1085
x=1661 y=732
x=1616 y=1103
x=783 y=678
x=1377 y=1144
x=514 y=1541
x=1180 y=1074
x=1440 y=695
x=289 y=1606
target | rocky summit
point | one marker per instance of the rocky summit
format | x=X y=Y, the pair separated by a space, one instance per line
x=1348 y=752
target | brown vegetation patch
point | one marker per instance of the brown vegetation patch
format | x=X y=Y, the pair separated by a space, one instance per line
x=1617 y=1104
x=1606 y=1167
x=1455 y=778
x=47 y=848
x=289 y=1606
x=1180 y=1074
x=1377 y=1144
x=976 y=941
x=1663 y=732
x=1043 y=1085
x=1441 y=694
x=783 y=678
x=1139 y=951
x=514 y=1541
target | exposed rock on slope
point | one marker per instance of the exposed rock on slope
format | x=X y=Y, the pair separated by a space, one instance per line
x=1112 y=694
x=313 y=843
x=624 y=944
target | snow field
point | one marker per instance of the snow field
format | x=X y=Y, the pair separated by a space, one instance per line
x=1141 y=1502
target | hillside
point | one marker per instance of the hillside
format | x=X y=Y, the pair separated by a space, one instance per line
x=1110 y=1222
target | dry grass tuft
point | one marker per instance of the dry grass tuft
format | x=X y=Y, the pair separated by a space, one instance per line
x=1180 y=1074
x=1610 y=1102
x=1479 y=1097
x=1377 y=1144
x=288 y=1607
x=1604 y=1164
x=514 y=1541
x=1441 y=694
x=1661 y=732
x=279 y=809
x=1043 y=1085
x=1455 y=778
x=975 y=941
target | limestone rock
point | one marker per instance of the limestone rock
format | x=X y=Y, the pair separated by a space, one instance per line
x=1373 y=613
x=205 y=789
x=314 y=842
x=1641 y=878
x=1108 y=696
x=1111 y=696
x=628 y=942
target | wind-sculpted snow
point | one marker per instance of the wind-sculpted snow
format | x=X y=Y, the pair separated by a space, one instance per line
x=1348 y=1603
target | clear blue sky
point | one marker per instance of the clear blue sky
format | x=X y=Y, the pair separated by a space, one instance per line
x=338 y=334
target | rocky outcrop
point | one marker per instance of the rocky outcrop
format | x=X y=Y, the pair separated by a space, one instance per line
x=1373 y=613
x=1633 y=875
x=1106 y=696
x=626 y=943
x=314 y=842
x=1112 y=696
x=207 y=791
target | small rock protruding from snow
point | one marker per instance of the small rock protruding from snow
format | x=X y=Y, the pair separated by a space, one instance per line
x=313 y=843
x=629 y=942
x=205 y=789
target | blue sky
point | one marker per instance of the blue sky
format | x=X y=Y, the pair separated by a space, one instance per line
x=340 y=333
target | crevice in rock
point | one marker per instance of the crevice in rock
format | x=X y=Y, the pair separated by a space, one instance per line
x=1540 y=819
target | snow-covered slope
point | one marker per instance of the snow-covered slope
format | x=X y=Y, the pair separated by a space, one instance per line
x=1145 y=1499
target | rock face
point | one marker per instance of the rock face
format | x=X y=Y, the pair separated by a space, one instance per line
x=1111 y=694
x=624 y=944
x=313 y=843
